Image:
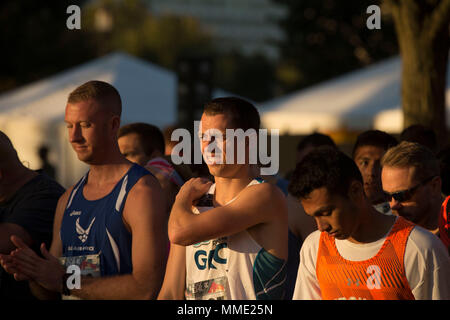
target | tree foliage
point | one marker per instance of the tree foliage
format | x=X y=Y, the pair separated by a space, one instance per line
x=133 y=29
x=327 y=38
x=37 y=42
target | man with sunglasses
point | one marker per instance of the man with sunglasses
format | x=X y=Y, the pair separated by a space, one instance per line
x=411 y=180
x=359 y=253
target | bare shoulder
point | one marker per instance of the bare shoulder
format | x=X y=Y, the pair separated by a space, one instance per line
x=63 y=200
x=144 y=196
x=146 y=184
x=265 y=194
x=264 y=198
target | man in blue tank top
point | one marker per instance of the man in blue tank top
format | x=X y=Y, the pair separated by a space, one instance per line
x=234 y=243
x=111 y=224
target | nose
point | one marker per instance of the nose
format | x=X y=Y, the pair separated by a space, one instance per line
x=322 y=225
x=395 y=205
x=375 y=170
x=75 y=134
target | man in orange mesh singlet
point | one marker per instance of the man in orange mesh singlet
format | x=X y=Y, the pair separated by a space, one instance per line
x=359 y=253
x=444 y=223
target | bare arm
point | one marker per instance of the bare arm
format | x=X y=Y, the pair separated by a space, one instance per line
x=145 y=216
x=258 y=204
x=169 y=189
x=175 y=278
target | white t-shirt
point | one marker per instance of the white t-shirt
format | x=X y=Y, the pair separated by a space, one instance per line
x=427 y=264
x=234 y=267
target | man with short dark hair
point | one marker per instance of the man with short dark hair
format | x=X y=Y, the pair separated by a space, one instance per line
x=311 y=142
x=412 y=181
x=111 y=224
x=367 y=152
x=220 y=248
x=143 y=143
x=139 y=142
x=27 y=207
x=358 y=253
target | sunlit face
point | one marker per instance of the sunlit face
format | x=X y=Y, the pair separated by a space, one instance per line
x=418 y=205
x=368 y=158
x=89 y=133
x=220 y=122
x=130 y=146
x=334 y=213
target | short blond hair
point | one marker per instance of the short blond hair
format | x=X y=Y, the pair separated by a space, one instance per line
x=100 y=91
x=412 y=154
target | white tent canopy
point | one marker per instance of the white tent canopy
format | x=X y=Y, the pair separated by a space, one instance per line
x=361 y=100
x=33 y=115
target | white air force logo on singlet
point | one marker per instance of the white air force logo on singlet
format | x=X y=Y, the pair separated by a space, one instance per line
x=83 y=234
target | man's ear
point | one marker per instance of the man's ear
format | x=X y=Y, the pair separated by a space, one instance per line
x=115 y=123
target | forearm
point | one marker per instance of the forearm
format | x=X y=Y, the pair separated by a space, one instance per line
x=171 y=294
x=175 y=276
x=123 y=287
x=179 y=219
x=41 y=293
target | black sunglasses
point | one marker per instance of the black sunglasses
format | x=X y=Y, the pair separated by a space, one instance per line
x=405 y=195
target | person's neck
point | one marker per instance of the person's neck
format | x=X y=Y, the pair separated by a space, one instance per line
x=110 y=172
x=431 y=221
x=372 y=227
x=21 y=176
x=228 y=188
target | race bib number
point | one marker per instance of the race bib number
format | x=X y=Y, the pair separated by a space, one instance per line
x=212 y=289
x=89 y=266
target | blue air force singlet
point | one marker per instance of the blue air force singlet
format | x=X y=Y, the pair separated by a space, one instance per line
x=235 y=267
x=93 y=234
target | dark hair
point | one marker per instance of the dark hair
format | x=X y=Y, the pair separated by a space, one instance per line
x=100 y=91
x=375 y=138
x=421 y=134
x=243 y=114
x=324 y=167
x=150 y=136
x=315 y=140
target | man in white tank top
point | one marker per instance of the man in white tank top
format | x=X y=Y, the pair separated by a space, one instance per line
x=228 y=239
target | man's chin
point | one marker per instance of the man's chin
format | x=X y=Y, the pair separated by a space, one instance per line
x=85 y=158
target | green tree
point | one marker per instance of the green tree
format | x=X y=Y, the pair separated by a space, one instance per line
x=129 y=26
x=327 y=38
x=36 y=41
x=250 y=76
